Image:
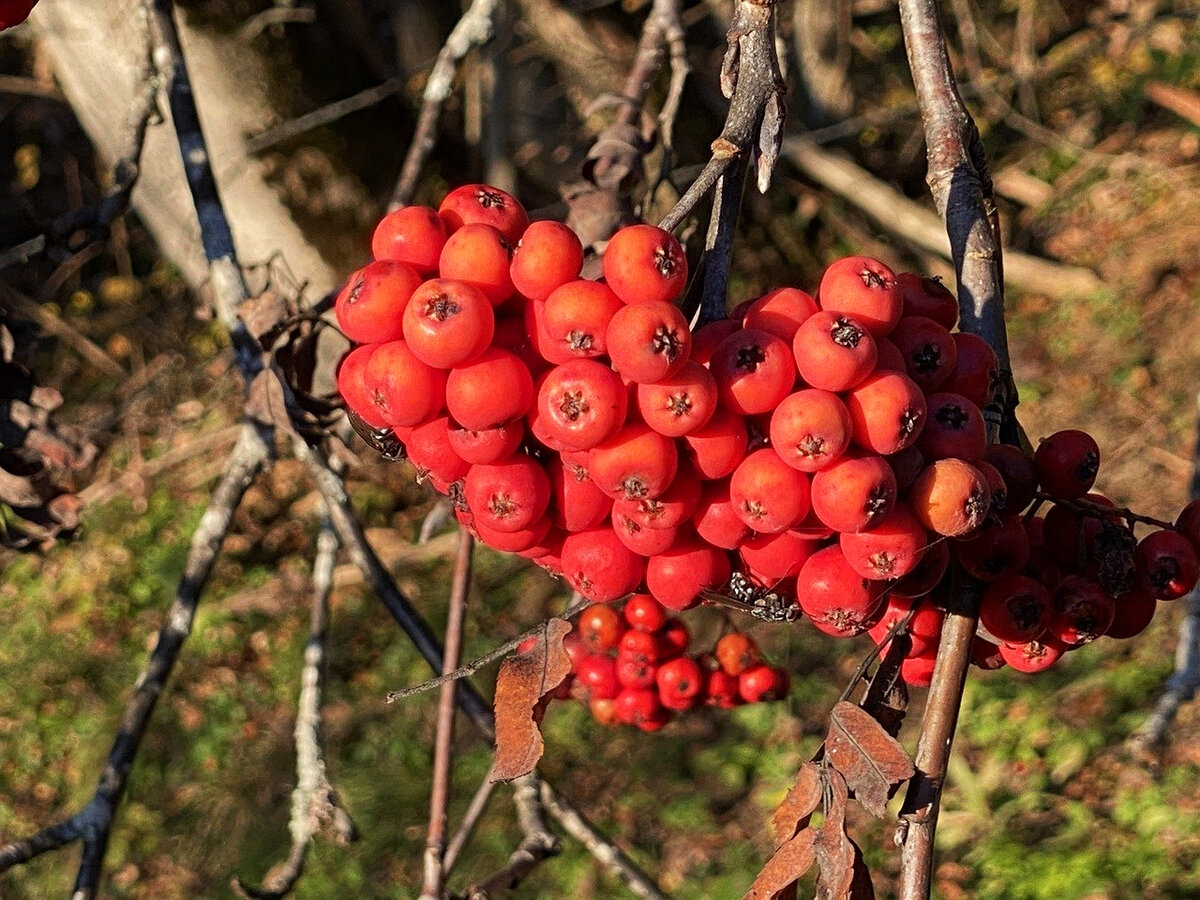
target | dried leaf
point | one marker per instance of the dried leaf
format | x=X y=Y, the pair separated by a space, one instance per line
x=872 y=761
x=834 y=851
x=799 y=804
x=263 y=314
x=791 y=860
x=614 y=161
x=265 y=402
x=523 y=681
x=887 y=696
x=861 y=888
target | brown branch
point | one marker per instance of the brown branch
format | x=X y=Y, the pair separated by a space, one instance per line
x=475 y=811
x=538 y=845
x=443 y=750
x=474 y=28
x=961 y=187
x=324 y=115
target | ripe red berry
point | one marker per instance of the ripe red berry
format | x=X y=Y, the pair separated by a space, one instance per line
x=715 y=518
x=924 y=296
x=673 y=638
x=547 y=255
x=644 y=613
x=954 y=427
x=754 y=371
x=599 y=566
x=834 y=352
x=708 y=337
x=530 y=542
x=1034 y=656
x=976 y=369
x=1187 y=523
x=577 y=503
x=447 y=322
x=950 y=497
x=928 y=573
x=716 y=449
x=648 y=341
x=575 y=320
x=596 y=678
x=929 y=351
x=1067 y=463
x=581 y=404
x=864 y=288
x=810 y=429
x=353 y=388
x=1082 y=611
x=639 y=707
x=762 y=684
x=482 y=203
x=1015 y=610
x=681 y=402
x=404 y=390
x=781 y=312
x=671 y=508
x=508 y=495
x=680 y=682
x=769 y=495
x=676 y=576
x=891 y=549
x=917 y=671
x=1134 y=611
x=999 y=547
x=645 y=264
x=479 y=255
x=1166 y=565
x=1017 y=471
x=429 y=449
x=642 y=540
x=488 y=445
x=770 y=558
x=492 y=389
x=924 y=628
x=634 y=463
x=370 y=307
x=887 y=412
x=838 y=600
x=640 y=646
x=412 y=234
x=721 y=690
x=855 y=493
x=599 y=628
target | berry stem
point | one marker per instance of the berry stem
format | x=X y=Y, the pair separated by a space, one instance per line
x=1099 y=511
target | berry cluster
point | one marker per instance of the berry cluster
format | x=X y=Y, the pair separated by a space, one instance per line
x=632 y=667
x=819 y=455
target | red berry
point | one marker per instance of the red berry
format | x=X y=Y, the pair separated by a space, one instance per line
x=924 y=296
x=773 y=557
x=891 y=549
x=578 y=504
x=677 y=576
x=648 y=341
x=950 y=497
x=708 y=337
x=599 y=628
x=838 y=600
x=642 y=540
x=352 y=386
x=754 y=371
x=635 y=674
x=479 y=255
x=530 y=542
x=638 y=706
x=999 y=547
x=1017 y=471
x=412 y=234
x=887 y=412
x=673 y=638
x=1067 y=463
x=680 y=682
x=490 y=390
x=1134 y=611
x=668 y=510
x=716 y=520
x=736 y=652
x=405 y=390
x=1034 y=656
x=917 y=671
x=640 y=646
x=508 y=495
x=1082 y=611
x=644 y=613
x=645 y=264
x=929 y=351
x=488 y=445
x=864 y=288
x=834 y=352
x=635 y=463
x=855 y=493
x=769 y=495
x=781 y=312
x=928 y=573
x=810 y=429
x=599 y=566
x=1187 y=523
x=1166 y=565
x=716 y=449
x=547 y=255
x=596 y=678
x=575 y=320
x=976 y=369
x=581 y=404
x=448 y=322
x=430 y=450
x=924 y=628
x=721 y=690
x=1015 y=610
x=370 y=307
x=485 y=204
x=762 y=684
x=954 y=427
x=681 y=402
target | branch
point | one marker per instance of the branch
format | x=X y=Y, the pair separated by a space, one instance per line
x=538 y=845
x=439 y=799
x=474 y=28
x=961 y=187
x=314 y=801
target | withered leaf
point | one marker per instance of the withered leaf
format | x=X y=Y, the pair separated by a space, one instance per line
x=887 y=696
x=872 y=760
x=789 y=861
x=834 y=851
x=861 y=888
x=263 y=314
x=801 y=801
x=523 y=681
x=265 y=402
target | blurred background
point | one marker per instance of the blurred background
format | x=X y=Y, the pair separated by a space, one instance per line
x=1090 y=114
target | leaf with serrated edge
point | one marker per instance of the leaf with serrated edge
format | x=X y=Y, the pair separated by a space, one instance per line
x=523 y=681
x=801 y=801
x=872 y=761
x=791 y=860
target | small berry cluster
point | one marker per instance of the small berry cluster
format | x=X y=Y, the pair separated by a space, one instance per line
x=819 y=455
x=632 y=667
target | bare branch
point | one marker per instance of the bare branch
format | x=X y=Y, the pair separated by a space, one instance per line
x=479 y=803
x=538 y=845
x=325 y=115
x=473 y=29
x=439 y=799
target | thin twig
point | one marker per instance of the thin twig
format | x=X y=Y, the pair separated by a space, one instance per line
x=475 y=811
x=325 y=115
x=473 y=29
x=439 y=795
x=537 y=845
x=961 y=186
x=494 y=655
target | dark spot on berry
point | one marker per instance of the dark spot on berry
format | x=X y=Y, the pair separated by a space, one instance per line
x=679 y=405
x=580 y=340
x=909 y=419
x=873 y=279
x=952 y=416
x=1087 y=469
x=811 y=447
x=665 y=262
x=651 y=509
x=754 y=509
x=356 y=291
x=975 y=506
x=573 y=405
x=846 y=333
x=631 y=527
x=489 y=199
x=666 y=342
x=879 y=501
x=927 y=359
x=634 y=488
x=883 y=562
x=441 y=308
x=501 y=505
x=750 y=358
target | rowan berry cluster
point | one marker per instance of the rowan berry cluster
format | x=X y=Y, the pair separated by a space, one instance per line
x=822 y=455
x=632 y=667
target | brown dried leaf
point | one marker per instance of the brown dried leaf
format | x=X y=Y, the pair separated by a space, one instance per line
x=887 y=696
x=791 y=860
x=834 y=851
x=523 y=681
x=265 y=402
x=263 y=314
x=872 y=760
x=861 y=888
x=799 y=804
x=614 y=162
